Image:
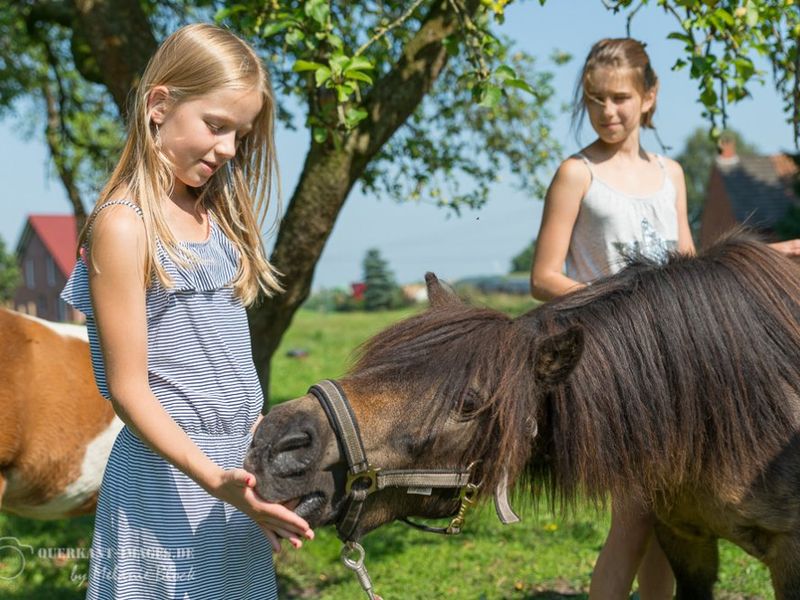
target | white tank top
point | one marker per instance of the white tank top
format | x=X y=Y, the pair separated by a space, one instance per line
x=612 y=225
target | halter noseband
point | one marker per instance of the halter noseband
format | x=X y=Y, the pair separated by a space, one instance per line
x=364 y=479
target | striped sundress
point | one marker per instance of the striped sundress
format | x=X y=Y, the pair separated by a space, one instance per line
x=157 y=533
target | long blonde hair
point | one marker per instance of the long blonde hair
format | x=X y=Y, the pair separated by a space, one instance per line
x=193 y=61
x=616 y=53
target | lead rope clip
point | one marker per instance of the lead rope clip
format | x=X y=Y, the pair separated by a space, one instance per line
x=358 y=567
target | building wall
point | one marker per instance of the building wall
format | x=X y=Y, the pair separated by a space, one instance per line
x=718 y=214
x=42 y=282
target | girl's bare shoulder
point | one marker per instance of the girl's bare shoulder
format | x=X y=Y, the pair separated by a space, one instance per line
x=573 y=171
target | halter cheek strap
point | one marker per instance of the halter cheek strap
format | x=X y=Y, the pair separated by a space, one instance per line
x=364 y=479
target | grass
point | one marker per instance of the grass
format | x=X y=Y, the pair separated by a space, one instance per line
x=542 y=558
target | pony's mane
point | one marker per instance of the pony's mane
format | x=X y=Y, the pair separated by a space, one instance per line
x=689 y=373
x=649 y=406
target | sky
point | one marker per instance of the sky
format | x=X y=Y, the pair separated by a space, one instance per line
x=415 y=238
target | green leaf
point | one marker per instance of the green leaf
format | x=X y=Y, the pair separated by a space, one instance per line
x=318 y=10
x=322 y=75
x=521 y=84
x=358 y=76
x=320 y=134
x=343 y=92
x=338 y=62
x=274 y=28
x=725 y=16
x=358 y=63
x=452 y=45
x=353 y=116
x=504 y=73
x=751 y=18
x=335 y=41
x=306 y=65
x=677 y=35
x=708 y=97
x=744 y=67
x=490 y=96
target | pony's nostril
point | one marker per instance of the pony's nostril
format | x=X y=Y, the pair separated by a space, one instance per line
x=293 y=441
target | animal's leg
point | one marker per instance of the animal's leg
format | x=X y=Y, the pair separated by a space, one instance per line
x=784 y=567
x=694 y=561
x=2 y=489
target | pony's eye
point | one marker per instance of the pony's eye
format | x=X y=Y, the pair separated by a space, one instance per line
x=470 y=404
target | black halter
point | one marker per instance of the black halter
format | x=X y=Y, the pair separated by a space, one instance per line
x=364 y=479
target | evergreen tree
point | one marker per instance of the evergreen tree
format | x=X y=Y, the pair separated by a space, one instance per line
x=523 y=261
x=381 y=286
x=9 y=273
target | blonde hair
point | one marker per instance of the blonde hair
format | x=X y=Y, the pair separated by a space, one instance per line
x=196 y=60
x=617 y=53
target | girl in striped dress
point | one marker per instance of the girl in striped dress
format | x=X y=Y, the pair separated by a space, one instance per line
x=170 y=257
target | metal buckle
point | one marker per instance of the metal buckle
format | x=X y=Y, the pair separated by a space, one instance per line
x=467 y=496
x=370 y=474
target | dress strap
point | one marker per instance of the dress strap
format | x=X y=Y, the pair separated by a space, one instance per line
x=661 y=162
x=97 y=210
x=586 y=161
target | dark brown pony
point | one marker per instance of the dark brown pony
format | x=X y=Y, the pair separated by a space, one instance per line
x=677 y=383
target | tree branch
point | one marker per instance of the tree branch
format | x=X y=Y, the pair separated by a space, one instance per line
x=329 y=174
x=65 y=172
x=121 y=38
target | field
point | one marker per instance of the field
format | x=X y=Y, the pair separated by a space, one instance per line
x=545 y=557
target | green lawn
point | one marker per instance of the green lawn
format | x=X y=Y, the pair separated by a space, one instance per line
x=544 y=557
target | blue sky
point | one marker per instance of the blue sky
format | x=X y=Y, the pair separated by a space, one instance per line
x=415 y=238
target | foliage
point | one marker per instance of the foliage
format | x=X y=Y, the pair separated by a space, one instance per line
x=10 y=277
x=39 y=75
x=522 y=262
x=334 y=300
x=382 y=291
x=788 y=228
x=721 y=39
x=697 y=158
x=487 y=112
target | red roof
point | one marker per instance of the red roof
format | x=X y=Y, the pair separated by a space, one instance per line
x=60 y=236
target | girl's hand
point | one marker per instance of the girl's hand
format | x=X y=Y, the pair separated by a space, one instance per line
x=789 y=247
x=235 y=487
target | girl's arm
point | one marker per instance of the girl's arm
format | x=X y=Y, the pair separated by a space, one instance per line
x=561 y=206
x=117 y=285
x=685 y=242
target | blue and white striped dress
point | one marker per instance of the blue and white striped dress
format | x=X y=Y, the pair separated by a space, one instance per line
x=158 y=534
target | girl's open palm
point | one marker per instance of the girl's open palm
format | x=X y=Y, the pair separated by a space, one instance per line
x=276 y=521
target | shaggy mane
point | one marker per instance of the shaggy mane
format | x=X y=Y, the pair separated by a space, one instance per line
x=689 y=373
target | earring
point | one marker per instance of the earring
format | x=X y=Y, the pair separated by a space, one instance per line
x=158 y=136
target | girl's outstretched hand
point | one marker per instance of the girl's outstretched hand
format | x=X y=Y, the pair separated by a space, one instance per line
x=236 y=487
x=789 y=247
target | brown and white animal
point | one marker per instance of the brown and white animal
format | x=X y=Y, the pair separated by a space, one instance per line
x=56 y=431
x=678 y=383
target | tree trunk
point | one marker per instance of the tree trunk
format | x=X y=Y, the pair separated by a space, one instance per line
x=329 y=175
x=121 y=39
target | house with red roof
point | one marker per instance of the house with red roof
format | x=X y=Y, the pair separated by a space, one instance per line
x=46 y=256
x=754 y=191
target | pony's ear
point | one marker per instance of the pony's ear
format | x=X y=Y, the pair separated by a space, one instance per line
x=557 y=355
x=438 y=293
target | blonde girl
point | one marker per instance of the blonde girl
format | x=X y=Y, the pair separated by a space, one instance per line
x=611 y=199
x=170 y=257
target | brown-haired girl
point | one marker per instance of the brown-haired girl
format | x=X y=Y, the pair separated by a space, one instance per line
x=610 y=200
